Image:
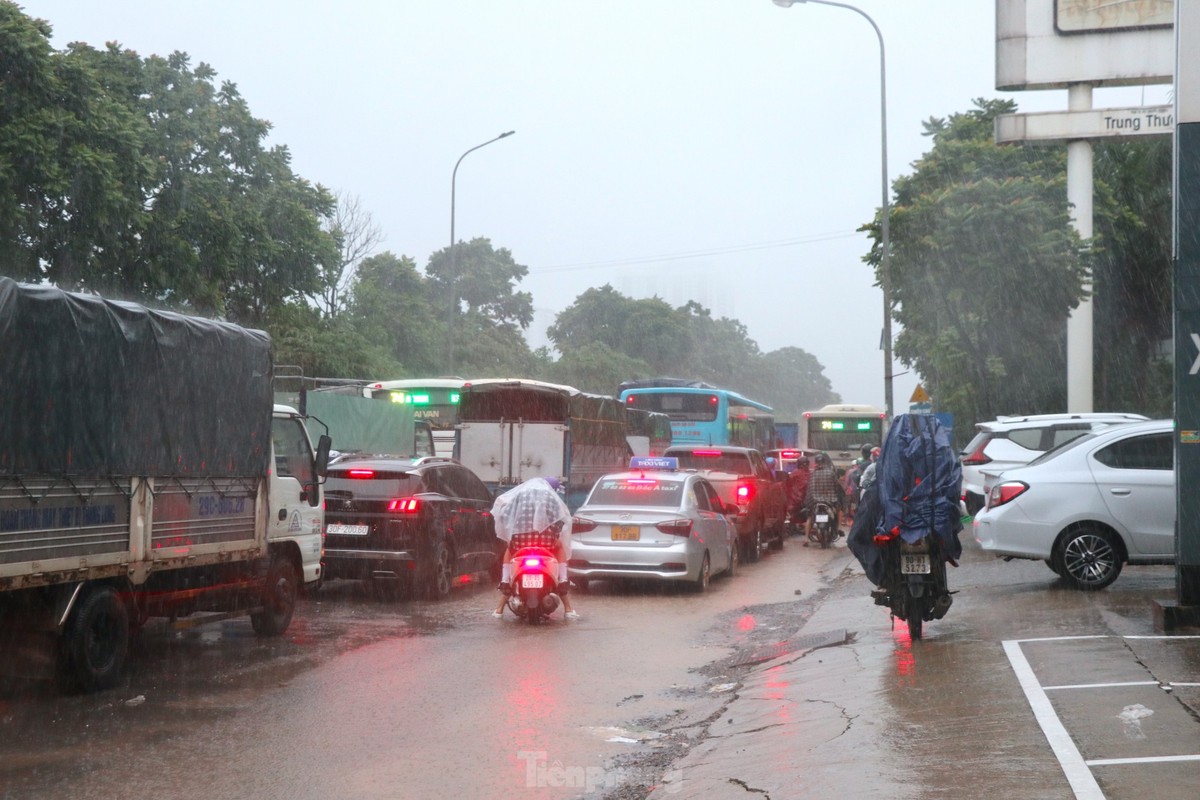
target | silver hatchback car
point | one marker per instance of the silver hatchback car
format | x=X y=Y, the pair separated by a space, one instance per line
x=652 y=522
x=1100 y=501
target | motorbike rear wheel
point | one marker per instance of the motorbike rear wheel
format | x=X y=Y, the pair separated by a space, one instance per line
x=533 y=608
x=913 y=608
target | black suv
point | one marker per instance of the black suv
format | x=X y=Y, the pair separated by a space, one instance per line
x=407 y=523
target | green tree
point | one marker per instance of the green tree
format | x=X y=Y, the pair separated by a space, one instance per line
x=1132 y=274
x=985 y=269
x=390 y=305
x=142 y=178
x=69 y=154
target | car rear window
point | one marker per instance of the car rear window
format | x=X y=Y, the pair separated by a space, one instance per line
x=368 y=483
x=737 y=463
x=636 y=492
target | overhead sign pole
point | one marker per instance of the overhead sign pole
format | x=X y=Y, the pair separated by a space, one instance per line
x=1186 y=240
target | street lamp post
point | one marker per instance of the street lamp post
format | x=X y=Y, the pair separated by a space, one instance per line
x=885 y=273
x=453 y=276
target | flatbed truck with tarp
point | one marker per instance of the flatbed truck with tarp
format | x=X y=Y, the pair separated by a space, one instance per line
x=145 y=471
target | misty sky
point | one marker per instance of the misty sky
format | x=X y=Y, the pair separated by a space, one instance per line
x=724 y=151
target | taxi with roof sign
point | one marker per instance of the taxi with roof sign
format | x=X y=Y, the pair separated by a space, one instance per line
x=653 y=521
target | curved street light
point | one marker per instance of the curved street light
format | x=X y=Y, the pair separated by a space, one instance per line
x=885 y=274
x=453 y=276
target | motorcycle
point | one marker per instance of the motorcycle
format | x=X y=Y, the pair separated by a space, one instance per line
x=915 y=587
x=825 y=527
x=909 y=526
x=535 y=591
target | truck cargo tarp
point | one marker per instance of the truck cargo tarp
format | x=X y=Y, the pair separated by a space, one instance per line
x=360 y=424
x=94 y=387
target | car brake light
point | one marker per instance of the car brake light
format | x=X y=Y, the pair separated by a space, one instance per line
x=706 y=452
x=360 y=473
x=405 y=505
x=977 y=458
x=745 y=491
x=1006 y=492
x=581 y=525
x=676 y=527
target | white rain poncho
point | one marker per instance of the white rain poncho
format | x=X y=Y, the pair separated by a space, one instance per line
x=532 y=507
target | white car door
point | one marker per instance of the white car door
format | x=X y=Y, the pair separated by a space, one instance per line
x=714 y=526
x=1136 y=478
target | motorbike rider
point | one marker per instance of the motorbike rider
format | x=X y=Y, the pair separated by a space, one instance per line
x=796 y=487
x=823 y=487
x=534 y=506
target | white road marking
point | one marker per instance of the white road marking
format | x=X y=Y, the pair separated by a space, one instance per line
x=1078 y=774
x=1098 y=685
x=1077 y=770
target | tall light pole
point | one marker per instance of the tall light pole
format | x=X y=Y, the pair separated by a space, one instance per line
x=885 y=265
x=453 y=276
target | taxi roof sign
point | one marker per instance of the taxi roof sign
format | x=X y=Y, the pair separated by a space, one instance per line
x=654 y=462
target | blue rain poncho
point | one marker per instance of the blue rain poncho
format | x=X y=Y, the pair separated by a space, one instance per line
x=916 y=493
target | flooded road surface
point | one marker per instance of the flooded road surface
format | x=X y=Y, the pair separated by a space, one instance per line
x=364 y=698
x=783 y=682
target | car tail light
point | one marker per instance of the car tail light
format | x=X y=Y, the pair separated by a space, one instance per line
x=405 y=505
x=977 y=458
x=361 y=474
x=745 y=493
x=1006 y=492
x=706 y=453
x=581 y=525
x=676 y=527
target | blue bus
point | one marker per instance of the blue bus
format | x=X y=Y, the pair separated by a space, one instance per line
x=702 y=414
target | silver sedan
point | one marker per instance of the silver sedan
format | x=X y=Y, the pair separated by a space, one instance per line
x=652 y=523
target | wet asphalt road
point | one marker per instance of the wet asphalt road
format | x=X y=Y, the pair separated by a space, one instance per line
x=364 y=698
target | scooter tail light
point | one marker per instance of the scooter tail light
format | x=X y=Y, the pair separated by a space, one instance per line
x=533 y=562
x=1006 y=493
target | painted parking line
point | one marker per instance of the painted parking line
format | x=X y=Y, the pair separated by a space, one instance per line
x=1078 y=770
x=1079 y=775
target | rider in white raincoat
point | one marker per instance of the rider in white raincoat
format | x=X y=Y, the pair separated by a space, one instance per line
x=533 y=507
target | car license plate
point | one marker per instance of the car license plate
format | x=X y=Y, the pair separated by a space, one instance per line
x=822 y=518
x=626 y=533
x=532 y=580
x=914 y=563
x=338 y=529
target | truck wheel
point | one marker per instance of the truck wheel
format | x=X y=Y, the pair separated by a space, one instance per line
x=437 y=581
x=278 y=598
x=95 y=641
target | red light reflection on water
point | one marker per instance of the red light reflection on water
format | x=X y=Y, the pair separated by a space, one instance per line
x=529 y=703
x=746 y=622
x=906 y=664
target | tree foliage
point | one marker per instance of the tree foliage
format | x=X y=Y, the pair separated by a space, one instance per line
x=143 y=178
x=985 y=269
x=605 y=337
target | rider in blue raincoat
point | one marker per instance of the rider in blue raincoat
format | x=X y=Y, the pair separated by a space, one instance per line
x=916 y=492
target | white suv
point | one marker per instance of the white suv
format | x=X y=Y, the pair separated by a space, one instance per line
x=1012 y=441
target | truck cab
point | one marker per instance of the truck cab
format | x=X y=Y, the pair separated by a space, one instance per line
x=296 y=528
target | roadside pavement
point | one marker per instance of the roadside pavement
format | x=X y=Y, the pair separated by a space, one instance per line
x=1026 y=689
